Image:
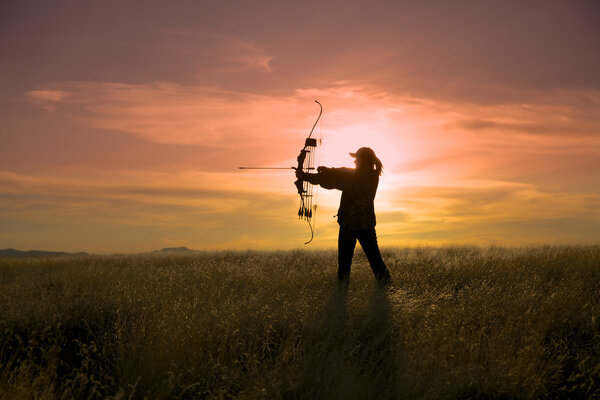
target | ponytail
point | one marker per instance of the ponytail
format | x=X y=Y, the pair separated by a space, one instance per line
x=378 y=165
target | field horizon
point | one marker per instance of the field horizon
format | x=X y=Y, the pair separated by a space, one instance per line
x=459 y=322
x=17 y=253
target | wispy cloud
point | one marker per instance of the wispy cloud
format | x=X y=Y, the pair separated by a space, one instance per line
x=47 y=99
x=245 y=56
x=218 y=52
x=491 y=213
x=448 y=167
x=47 y=95
x=199 y=209
x=132 y=135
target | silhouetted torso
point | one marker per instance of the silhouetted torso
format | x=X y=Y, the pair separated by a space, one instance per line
x=358 y=187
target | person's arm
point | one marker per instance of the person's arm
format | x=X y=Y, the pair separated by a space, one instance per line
x=328 y=178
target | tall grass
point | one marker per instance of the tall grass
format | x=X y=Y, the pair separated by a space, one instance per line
x=458 y=323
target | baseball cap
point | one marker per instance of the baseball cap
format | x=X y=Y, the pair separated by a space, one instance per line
x=364 y=152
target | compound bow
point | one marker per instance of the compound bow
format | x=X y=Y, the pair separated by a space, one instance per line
x=306 y=163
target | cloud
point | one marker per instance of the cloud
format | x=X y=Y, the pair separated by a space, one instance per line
x=168 y=112
x=549 y=113
x=200 y=209
x=448 y=167
x=424 y=139
x=218 y=53
x=206 y=191
x=171 y=113
x=47 y=95
x=487 y=201
x=482 y=114
x=491 y=213
x=47 y=99
x=244 y=56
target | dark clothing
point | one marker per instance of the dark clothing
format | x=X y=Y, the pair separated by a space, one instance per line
x=358 y=193
x=356 y=217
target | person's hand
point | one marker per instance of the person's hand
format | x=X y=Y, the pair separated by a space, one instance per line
x=299 y=174
x=321 y=168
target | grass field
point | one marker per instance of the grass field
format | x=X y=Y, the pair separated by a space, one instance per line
x=459 y=323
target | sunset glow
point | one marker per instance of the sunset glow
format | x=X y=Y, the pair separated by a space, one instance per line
x=123 y=127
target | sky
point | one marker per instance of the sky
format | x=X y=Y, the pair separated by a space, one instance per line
x=124 y=122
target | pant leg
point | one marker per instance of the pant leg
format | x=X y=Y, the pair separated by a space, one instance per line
x=368 y=241
x=346 y=245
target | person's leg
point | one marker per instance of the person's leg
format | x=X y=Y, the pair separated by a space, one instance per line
x=368 y=241
x=346 y=244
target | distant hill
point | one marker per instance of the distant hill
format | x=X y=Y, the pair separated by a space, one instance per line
x=37 y=253
x=43 y=253
x=170 y=249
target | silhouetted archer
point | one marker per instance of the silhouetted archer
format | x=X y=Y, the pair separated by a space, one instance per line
x=356 y=214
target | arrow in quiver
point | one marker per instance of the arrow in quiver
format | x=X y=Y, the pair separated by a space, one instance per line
x=306 y=161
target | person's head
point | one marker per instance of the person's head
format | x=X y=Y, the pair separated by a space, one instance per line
x=365 y=158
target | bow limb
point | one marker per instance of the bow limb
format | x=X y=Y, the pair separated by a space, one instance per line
x=317 y=121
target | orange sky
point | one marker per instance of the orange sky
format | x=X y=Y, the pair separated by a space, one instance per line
x=123 y=123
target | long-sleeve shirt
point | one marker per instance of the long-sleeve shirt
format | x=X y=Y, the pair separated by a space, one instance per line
x=358 y=193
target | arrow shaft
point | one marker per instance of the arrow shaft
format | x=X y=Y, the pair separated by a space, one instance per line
x=269 y=168
x=265 y=167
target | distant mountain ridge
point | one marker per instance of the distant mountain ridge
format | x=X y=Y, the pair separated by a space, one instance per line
x=37 y=253
x=43 y=253
x=168 y=249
